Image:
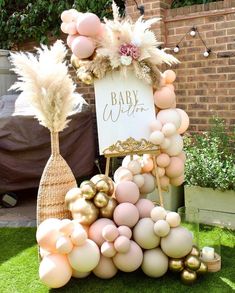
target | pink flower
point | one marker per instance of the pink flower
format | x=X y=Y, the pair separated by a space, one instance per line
x=129 y=50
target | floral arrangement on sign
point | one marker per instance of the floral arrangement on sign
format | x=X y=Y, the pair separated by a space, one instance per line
x=116 y=44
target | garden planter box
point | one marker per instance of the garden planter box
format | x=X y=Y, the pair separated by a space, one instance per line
x=173 y=198
x=216 y=207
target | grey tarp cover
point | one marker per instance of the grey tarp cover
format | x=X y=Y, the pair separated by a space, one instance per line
x=25 y=145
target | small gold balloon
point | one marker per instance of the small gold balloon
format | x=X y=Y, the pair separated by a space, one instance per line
x=107 y=212
x=102 y=186
x=203 y=269
x=75 y=61
x=101 y=200
x=188 y=277
x=88 y=189
x=192 y=262
x=111 y=186
x=84 y=211
x=72 y=195
x=195 y=251
x=97 y=178
x=176 y=264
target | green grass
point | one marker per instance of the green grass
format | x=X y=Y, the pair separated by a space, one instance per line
x=19 y=271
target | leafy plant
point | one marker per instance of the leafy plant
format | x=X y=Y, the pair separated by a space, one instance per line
x=180 y=3
x=210 y=158
x=22 y=20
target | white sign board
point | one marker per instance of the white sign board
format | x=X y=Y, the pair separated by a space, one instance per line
x=124 y=108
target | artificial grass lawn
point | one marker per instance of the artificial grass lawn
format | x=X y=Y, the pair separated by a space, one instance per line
x=19 y=271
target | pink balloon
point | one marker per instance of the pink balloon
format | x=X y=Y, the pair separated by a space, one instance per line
x=170 y=76
x=122 y=244
x=144 y=207
x=163 y=160
x=147 y=164
x=126 y=214
x=89 y=25
x=184 y=121
x=110 y=233
x=125 y=231
x=182 y=156
x=164 y=98
x=64 y=27
x=71 y=28
x=127 y=191
x=171 y=87
x=70 y=39
x=82 y=47
x=95 y=231
x=105 y=268
x=175 y=168
x=177 y=181
x=66 y=16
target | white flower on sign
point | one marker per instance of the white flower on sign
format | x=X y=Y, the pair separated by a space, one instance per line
x=126 y=60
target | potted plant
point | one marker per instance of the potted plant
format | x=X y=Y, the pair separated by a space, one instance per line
x=210 y=174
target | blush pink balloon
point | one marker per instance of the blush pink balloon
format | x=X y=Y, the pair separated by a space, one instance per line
x=122 y=244
x=171 y=87
x=64 y=27
x=177 y=181
x=55 y=270
x=127 y=191
x=184 y=121
x=163 y=160
x=105 y=268
x=70 y=39
x=66 y=16
x=89 y=25
x=169 y=75
x=147 y=164
x=182 y=156
x=82 y=47
x=110 y=233
x=144 y=207
x=169 y=115
x=125 y=231
x=71 y=28
x=126 y=214
x=95 y=230
x=164 y=98
x=130 y=261
x=175 y=168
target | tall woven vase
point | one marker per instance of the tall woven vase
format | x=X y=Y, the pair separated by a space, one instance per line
x=57 y=178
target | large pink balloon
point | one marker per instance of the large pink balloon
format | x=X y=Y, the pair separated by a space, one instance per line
x=70 y=39
x=126 y=214
x=105 y=269
x=169 y=75
x=82 y=47
x=164 y=98
x=127 y=191
x=89 y=25
x=95 y=231
x=184 y=121
x=55 y=270
x=71 y=28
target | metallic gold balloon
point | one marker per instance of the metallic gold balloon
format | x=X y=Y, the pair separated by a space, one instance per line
x=176 y=264
x=102 y=185
x=111 y=186
x=188 y=277
x=84 y=211
x=72 y=195
x=192 y=262
x=195 y=251
x=101 y=200
x=97 y=178
x=203 y=268
x=75 y=61
x=88 y=189
x=107 y=212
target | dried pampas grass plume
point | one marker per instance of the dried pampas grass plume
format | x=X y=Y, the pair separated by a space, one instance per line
x=45 y=82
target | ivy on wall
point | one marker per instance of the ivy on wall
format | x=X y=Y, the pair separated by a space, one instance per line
x=22 y=20
x=180 y=3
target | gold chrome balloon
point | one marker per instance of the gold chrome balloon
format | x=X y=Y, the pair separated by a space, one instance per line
x=195 y=251
x=88 y=189
x=188 y=277
x=107 y=212
x=102 y=185
x=111 y=186
x=192 y=262
x=101 y=200
x=84 y=211
x=97 y=178
x=72 y=195
x=75 y=61
x=176 y=264
x=203 y=269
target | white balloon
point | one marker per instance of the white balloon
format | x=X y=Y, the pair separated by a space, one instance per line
x=176 y=145
x=155 y=263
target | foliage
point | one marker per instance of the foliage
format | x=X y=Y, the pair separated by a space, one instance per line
x=180 y=3
x=21 y=20
x=19 y=271
x=210 y=158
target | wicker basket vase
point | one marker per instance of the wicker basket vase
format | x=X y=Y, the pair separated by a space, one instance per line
x=57 y=178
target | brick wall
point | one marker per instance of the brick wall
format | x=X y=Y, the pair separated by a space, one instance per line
x=204 y=86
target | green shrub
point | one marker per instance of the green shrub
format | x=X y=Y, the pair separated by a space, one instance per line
x=180 y=3
x=22 y=20
x=210 y=158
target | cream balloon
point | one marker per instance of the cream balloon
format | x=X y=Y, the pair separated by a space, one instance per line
x=64 y=245
x=125 y=231
x=134 y=166
x=158 y=213
x=169 y=116
x=55 y=270
x=156 y=137
x=178 y=243
x=155 y=125
x=122 y=174
x=163 y=160
x=143 y=234
x=129 y=158
x=105 y=268
x=130 y=261
x=107 y=249
x=66 y=227
x=122 y=244
x=84 y=258
x=138 y=180
x=184 y=121
x=176 y=145
x=168 y=129
x=79 y=236
x=182 y=156
x=155 y=263
x=165 y=144
x=144 y=207
x=79 y=275
x=149 y=184
x=173 y=219
x=110 y=233
x=161 y=228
